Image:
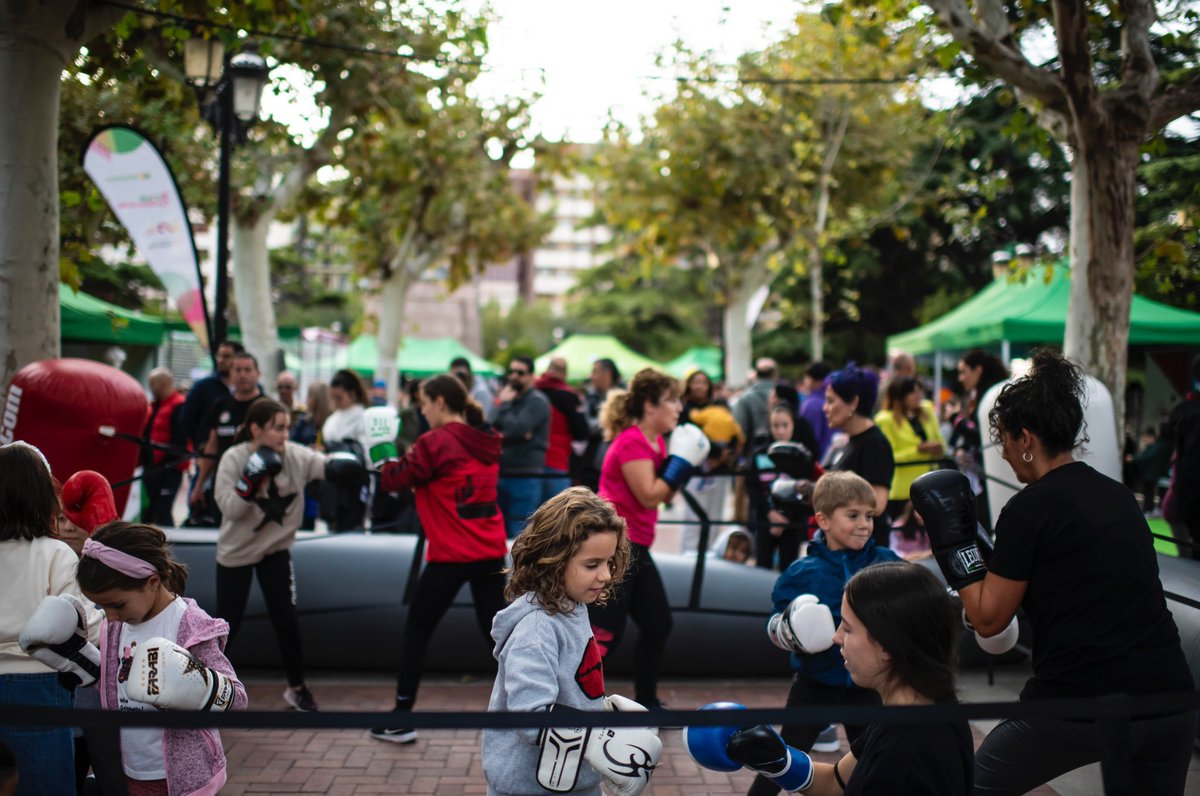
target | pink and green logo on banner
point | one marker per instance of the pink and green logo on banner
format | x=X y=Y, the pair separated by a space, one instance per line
x=138 y=185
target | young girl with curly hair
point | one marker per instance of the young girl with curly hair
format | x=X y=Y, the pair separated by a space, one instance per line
x=570 y=555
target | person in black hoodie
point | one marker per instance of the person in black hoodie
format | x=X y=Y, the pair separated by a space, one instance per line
x=453 y=469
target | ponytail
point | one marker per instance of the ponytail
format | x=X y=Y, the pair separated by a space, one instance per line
x=614 y=414
x=473 y=412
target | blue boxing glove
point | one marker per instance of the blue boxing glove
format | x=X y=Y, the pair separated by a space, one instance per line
x=707 y=745
x=687 y=449
x=761 y=749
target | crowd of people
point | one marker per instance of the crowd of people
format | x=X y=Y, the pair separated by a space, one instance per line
x=573 y=479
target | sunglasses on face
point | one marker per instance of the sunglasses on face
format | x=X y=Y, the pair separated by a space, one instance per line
x=513 y=372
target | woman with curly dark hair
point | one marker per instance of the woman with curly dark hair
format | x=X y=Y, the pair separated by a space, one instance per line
x=1073 y=550
x=570 y=555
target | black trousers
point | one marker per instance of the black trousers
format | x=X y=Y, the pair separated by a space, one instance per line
x=277 y=580
x=436 y=589
x=1020 y=754
x=161 y=486
x=803 y=736
x=765 y=545
x=642 y=597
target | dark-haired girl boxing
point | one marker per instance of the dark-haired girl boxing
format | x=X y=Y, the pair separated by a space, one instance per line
x=897 y=637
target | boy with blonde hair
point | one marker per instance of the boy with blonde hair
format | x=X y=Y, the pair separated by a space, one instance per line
x=808 y=605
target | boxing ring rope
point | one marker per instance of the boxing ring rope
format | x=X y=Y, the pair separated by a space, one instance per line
x=1112 y=715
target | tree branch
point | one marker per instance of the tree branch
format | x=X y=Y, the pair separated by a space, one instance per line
x=310 y=162
x=1071 y=32
x=1138 y=70
x=994 y=19
x=999 y=56
x=1177 y=100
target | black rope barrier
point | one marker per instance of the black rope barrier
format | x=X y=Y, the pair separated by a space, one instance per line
x=1118 y=706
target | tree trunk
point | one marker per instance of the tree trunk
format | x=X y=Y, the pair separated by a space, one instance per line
x=32 y=57
x=1103 y=172
x=740 y=315
x=252 y=294
x=835 y=128
x=391 y=324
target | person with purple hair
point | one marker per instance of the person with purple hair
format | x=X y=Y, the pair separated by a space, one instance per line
x=850 y=395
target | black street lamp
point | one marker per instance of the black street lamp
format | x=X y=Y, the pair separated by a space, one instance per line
x=230 y=92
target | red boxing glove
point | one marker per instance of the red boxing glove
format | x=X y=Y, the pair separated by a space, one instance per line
x=87 y=500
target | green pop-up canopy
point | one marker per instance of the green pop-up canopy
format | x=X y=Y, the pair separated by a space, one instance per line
x=417 y=357
x=89 y=319
x=581 y=350
x=702 y=357
x=1035 y=311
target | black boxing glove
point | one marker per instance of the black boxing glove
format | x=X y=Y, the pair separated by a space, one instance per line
x=761 y=749
x=946 y=504
x=793 y=459
x=261 y=465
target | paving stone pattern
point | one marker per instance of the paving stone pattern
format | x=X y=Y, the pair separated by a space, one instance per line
x=448 y=762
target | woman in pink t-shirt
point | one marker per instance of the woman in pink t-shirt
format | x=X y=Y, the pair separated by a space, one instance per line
x=629 y=478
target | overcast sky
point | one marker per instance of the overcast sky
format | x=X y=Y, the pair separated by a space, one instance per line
x=587 y=57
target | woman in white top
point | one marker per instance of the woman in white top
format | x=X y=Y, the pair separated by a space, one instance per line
x=33 y=565
x=343 y=508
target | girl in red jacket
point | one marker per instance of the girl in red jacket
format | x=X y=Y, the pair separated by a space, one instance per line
x=453 y=469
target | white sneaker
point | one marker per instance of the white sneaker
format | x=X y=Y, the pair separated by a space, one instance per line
x=827 y=741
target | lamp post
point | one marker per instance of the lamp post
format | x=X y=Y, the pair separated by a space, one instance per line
x=230 y=92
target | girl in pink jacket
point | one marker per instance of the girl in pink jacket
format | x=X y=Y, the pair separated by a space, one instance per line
x=128 y=572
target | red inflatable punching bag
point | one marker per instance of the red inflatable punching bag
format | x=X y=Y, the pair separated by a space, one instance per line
x=60 y=405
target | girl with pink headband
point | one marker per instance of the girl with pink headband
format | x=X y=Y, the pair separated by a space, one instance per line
x=152 y=633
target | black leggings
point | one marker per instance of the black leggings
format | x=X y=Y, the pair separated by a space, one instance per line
x=765 y=545
x=435 y=593
x=277 y=580
x=803 y=736
x=1020 y=754
x=640 y=595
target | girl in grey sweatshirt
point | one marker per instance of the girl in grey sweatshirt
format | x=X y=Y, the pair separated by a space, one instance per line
x=571 y=554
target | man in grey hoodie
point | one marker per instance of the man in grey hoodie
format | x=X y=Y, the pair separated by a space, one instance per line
x=523 y=420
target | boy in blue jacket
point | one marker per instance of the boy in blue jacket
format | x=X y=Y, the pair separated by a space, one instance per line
x=808 y=605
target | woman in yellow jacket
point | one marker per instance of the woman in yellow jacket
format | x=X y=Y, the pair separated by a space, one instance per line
x=910 y=424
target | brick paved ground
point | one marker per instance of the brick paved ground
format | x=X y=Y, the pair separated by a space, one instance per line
x=446 y=763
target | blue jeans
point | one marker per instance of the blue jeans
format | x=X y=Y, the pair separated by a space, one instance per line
x=45 y=755
x=552 y=486
x=518 y=499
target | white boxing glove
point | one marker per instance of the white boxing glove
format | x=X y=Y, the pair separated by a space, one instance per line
x=56 y=635
x=615 y=703
x=383 y=426
x=625 y=757
x=998 y=644
x=167 y=676
x=804 y=626
x=686 y=450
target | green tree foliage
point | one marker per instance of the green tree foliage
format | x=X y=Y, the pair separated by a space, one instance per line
x=1168 y=234
x=1121 y=73
x=300 y=298
x=529 y=330
x=761 y=175
x=658 y=312
x=996 y=180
